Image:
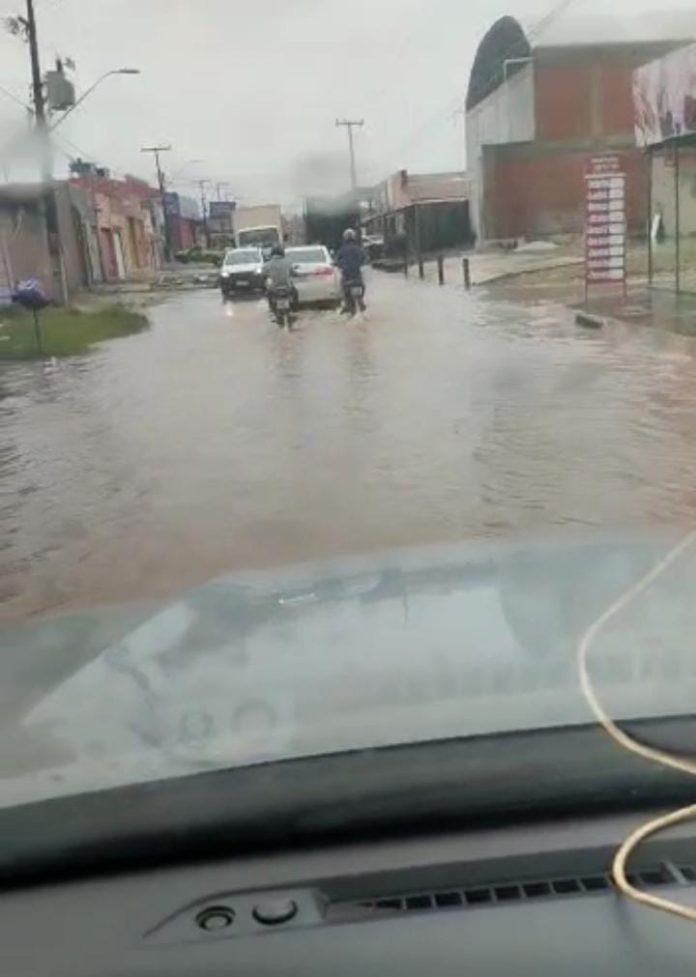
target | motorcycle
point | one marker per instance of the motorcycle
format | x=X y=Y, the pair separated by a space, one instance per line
x=353 y=297
x=280 y=299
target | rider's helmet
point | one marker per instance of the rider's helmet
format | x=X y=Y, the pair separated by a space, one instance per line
x=349 y=234
x=277 y=251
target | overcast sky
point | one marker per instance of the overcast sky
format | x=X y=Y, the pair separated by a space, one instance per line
x=253 y=89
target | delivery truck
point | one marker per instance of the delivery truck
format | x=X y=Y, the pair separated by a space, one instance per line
x=260 y=226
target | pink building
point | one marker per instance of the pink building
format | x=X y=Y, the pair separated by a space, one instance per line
x=127 y=221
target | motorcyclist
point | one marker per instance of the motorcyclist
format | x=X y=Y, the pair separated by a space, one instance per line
x=277 y=273
x=350 y=259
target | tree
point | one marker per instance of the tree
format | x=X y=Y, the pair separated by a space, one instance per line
x=17 y=26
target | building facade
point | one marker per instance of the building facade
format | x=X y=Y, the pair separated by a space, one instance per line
x=535 y=116
x=184 y=220
x=24 y=243
x=421 y=213
x=125 y=227
x=109 y=231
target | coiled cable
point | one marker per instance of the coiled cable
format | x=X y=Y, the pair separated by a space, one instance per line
x=651 y=753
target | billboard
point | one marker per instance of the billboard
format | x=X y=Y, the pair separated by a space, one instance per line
x=664 y=97
x=221 y=209
x=178 y=206
x=220 y=216
x=171 y=204
x=605 y=220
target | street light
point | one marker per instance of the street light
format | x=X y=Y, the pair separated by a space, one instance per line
x=107 y=74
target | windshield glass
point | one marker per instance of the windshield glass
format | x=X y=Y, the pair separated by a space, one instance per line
x=307 y=255
x=212 y=680
x=363 y=496
x=248 y=257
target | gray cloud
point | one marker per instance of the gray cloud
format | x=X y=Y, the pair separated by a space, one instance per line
x=254 y=90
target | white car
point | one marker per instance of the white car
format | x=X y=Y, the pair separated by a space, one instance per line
x=316 y=278
x=242 y=270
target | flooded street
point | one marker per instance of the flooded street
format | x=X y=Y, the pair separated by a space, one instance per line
x=214 y=442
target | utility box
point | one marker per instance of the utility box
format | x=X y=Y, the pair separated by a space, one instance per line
x=60 y=91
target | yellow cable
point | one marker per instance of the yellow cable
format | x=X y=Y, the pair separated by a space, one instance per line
x=627 y=742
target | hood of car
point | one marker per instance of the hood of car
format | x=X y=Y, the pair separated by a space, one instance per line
x=350 y=654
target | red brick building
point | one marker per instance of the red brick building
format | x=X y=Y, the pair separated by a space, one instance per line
x=535 y=114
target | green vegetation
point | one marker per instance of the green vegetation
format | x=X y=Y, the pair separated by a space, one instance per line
x=200 y=255
x=64 y=332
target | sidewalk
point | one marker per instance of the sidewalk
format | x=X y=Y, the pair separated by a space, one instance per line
x=171 y=277
x=659 y=307
x=558 y=276
x=492 y=266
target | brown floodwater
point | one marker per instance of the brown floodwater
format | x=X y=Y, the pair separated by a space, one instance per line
x=214 y=442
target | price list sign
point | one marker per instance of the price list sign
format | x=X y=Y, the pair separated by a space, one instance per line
x=605 y=221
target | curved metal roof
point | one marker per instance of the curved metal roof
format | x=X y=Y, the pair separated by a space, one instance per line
x=505 y=39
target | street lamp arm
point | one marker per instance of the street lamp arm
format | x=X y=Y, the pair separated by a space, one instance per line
x=80 y=100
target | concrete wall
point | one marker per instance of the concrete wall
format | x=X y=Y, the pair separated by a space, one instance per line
x=83 y=204
x=24 y=245
x=72 y=236
x=24 y=251
x=505 y=116
x=402 y=189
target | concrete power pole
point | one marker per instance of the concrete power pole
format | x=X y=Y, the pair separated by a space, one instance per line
x=156 y=150
x=350 y=124
x=204 y=208
x=49 y=202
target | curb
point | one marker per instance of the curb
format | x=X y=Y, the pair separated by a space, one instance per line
x=519 y=272
x=491 y=278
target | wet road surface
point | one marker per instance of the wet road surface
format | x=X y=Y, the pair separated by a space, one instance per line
x=214 y=442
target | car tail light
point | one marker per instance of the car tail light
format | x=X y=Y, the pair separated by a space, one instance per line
x=323 y=272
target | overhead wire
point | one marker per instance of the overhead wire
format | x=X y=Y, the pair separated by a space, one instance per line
x=627 y=742
x=444 y=113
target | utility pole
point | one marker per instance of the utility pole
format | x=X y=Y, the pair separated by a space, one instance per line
x=156 y=150
x=350 y=124
x=49 y=201
x=218 y=189
x=204 y=203
x=36 y=83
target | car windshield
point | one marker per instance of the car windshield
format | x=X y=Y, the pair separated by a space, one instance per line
x=248 y=257
x=307 y=255
x=260 y=236
x=361 y=498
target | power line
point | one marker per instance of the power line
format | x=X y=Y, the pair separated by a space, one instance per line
x=25 y=105
x=455 y=102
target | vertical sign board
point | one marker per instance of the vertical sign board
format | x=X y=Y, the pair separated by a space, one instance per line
x=605 y=221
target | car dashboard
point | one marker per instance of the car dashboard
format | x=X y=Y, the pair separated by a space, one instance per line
x=531 y=899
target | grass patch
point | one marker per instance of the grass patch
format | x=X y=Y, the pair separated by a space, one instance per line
x=64 y=332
